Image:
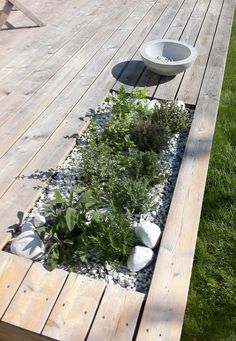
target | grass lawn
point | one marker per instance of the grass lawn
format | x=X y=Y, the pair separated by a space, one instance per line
x=211 y=308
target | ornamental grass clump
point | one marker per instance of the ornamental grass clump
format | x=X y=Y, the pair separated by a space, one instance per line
x=120 y=164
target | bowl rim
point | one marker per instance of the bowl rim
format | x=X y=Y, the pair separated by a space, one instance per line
x=191 y=58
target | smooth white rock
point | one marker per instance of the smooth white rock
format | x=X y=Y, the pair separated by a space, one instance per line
x=141 y=102
x=39 y=220
x=28 y=244
x=27 y=227
x=148 y=233
x=153 y=104
x=180 y=104
x=140 y=257
x=150 y=105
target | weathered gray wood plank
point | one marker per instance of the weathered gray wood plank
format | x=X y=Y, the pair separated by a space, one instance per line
x=134 y=68
x=165 y=306
x=167 y=89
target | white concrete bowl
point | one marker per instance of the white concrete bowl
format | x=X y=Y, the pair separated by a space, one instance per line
x=179 y=56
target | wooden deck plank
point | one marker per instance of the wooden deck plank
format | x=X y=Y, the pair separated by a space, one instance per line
x=5 y=12
x=17 y=76
x=35 y=297
x=8 y=332
x=191 y=83
x=27 y=12
x=11 y=197
x=149 y=79
x=135 y=67
x=167 y=88
x=15 y=38
x=165 y=306
x=176 y=249
x=116 y=321
x=12 y=271
x=75 y=308
x=28 y=113
x=15 y=49
x=40 y=74
x=41 y=130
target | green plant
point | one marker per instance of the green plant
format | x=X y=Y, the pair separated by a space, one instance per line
x=132 y=195
x=150 y=135
x=67 y=217
x=171 y=117
x=119 y=164
x=112 y=236
x=146 y=164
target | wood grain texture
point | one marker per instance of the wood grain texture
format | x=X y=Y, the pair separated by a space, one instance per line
x=61 y=108
x=148 y=78
x=165 y=306
x=27 y=12
x=44 y=120
x=35 y=298
x=191 y=83
x=19 y=85
x=132 y=69
x=116 y=320
x=75 y=308
x=19 y=121
x=22 y=45
x=88 y=85
x=8 y=332
x=168 y=86
x=5 y=12
x=12 y=271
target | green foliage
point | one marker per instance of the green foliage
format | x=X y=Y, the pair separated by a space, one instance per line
x=112 y=237
x=211 y=308
x=153 y=129
x=171 y=117
x=120 y=164
x=67 y=217
x=149 y=135
x=131 y=195
x=146 y=164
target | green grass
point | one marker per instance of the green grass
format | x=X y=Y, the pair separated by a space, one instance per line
x=211 y=308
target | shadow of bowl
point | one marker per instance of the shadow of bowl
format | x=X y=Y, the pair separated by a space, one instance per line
x=129 y=73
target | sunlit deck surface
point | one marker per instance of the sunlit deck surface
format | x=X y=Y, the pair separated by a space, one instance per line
x=50 y=79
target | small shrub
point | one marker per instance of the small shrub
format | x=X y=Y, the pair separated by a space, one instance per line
x=146 y=164
x=112 y=237
x=149 y=135
x=131 y=195
x=170 y=116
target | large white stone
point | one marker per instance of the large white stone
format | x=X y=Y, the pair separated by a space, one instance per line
x=28 y=244
x=180 y=104
x=27 y=227
x=148 y=233
x=153 y=104
x=140 y=257
x=39 y=220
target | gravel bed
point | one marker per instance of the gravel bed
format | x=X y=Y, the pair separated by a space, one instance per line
x=67 y=176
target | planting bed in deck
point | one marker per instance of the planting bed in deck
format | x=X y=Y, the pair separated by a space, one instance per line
x=107 y=204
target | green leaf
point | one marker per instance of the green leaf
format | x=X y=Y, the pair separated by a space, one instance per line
x=71 y=218
x=96 y=217
x=58 y=198
x=87 y=199
x=68 y=241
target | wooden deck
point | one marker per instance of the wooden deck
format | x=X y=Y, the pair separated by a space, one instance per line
x=50 y=78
